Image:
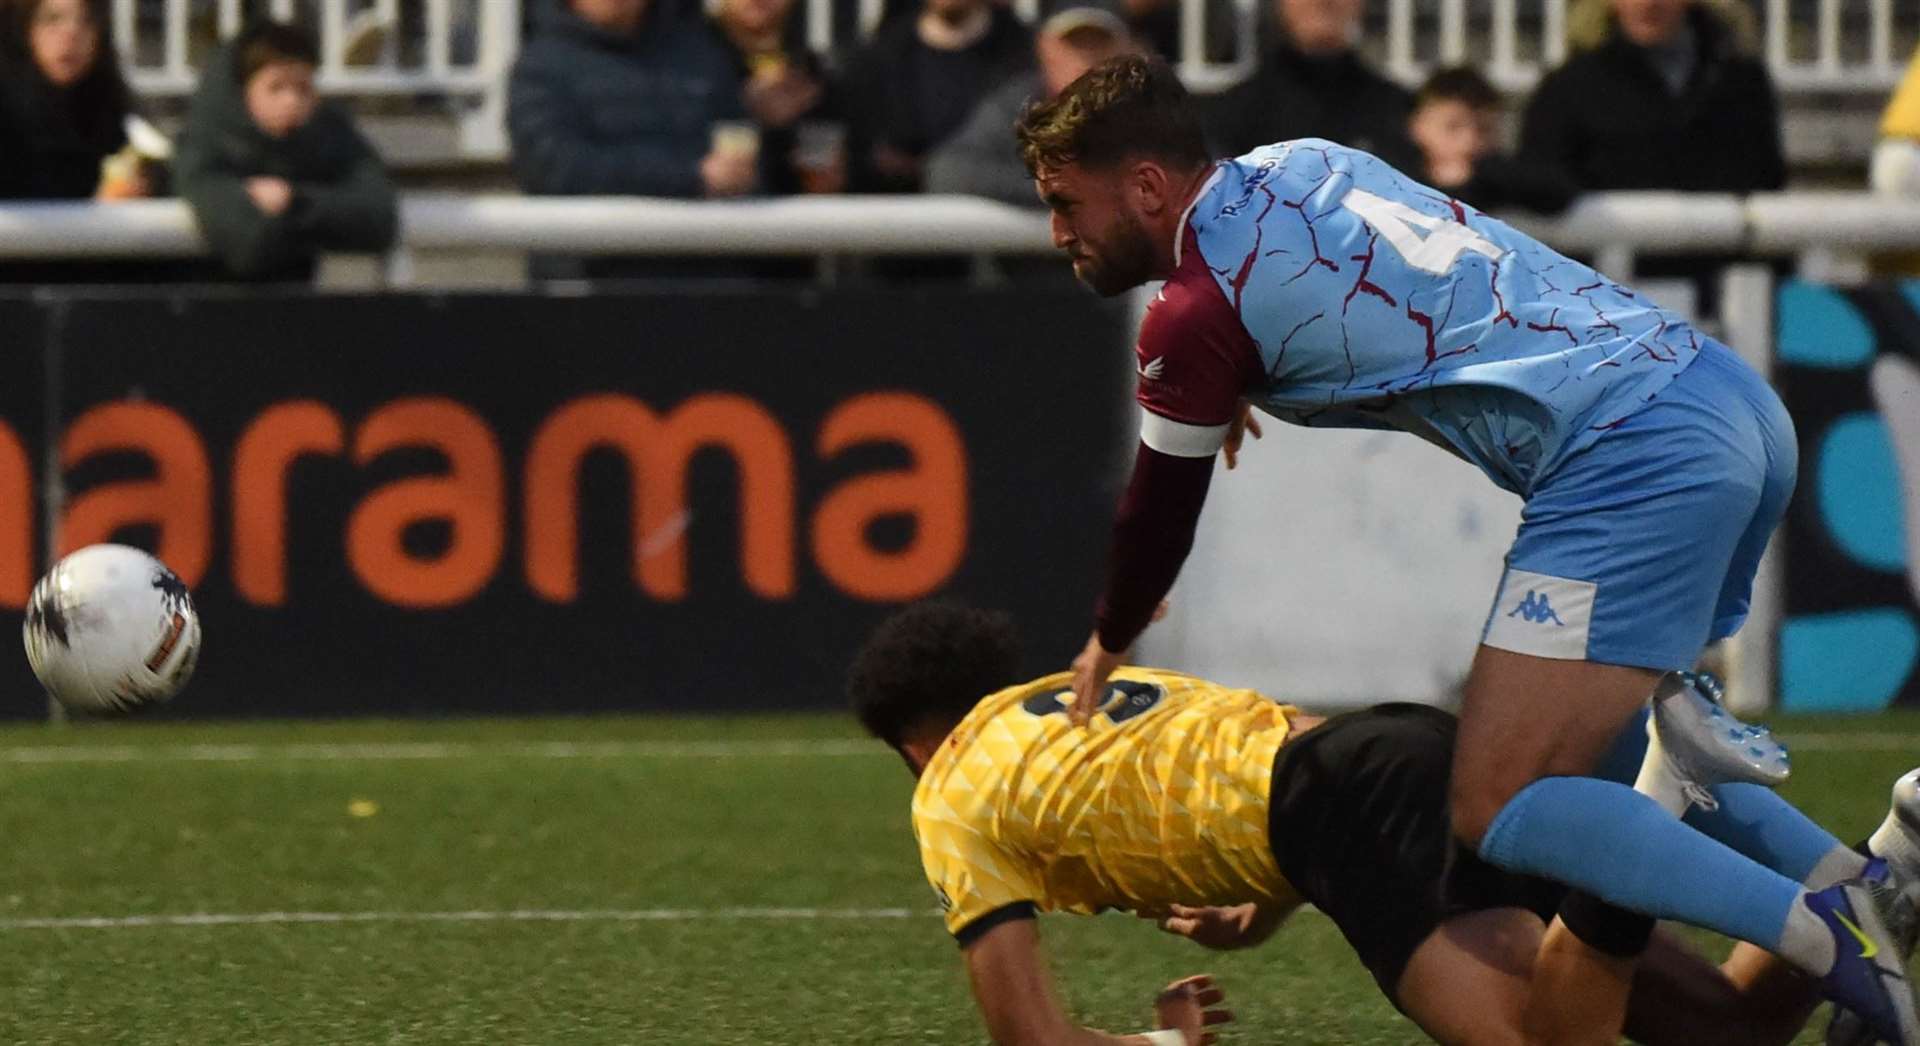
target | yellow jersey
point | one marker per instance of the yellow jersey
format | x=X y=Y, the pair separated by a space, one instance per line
x=1161 y=799
x=1902 y=118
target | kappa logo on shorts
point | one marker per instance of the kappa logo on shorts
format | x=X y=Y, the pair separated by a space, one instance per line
x=1536 y=609
x=1541 y=615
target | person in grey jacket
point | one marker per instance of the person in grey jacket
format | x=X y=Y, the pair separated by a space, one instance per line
x=274 y=176
x=981 y=160
x=620 y=98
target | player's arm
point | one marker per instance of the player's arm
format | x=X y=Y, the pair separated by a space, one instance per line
x=1195 y=362
x=1017 y=999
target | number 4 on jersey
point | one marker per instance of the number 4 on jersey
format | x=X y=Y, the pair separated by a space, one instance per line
x=1427 y=243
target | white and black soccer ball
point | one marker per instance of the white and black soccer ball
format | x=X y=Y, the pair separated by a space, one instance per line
x=110 y=628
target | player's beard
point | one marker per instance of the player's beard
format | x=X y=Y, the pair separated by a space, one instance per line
x=1122 y=260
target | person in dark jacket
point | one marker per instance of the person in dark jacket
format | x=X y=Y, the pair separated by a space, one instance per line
x=1456 y=126
x=274 y=175
x=981 y=159
x=788 y=93
x=1658 y=95
x=1313 y=84
x=611 y=98
x=63 y=102
x=919 y=80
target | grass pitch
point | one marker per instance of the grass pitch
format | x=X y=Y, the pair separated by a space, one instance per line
x=579 y=881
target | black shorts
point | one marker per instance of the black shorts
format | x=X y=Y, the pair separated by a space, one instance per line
x=1360 y=827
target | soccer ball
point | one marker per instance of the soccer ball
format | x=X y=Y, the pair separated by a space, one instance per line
x=110 y=628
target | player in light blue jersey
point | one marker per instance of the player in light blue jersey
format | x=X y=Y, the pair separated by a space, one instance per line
x=1325 y=288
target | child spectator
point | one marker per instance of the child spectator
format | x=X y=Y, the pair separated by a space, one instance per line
x=921 y=77
x=63 y=104
x=787 y=92
x=274 y=175
x=1456 y=125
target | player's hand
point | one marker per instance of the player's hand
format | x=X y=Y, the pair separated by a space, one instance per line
x=1190 y=1006
x=1090 y=672
x=1221 y=929
x=1244 y=424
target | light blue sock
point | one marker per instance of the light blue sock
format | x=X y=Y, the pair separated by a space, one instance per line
x=1620 y=846
x=1755 y=821
x=1752 y=820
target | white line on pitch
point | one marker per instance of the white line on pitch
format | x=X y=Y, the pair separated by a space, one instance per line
x=378 y=751
x=532 y=915
x=396 y=750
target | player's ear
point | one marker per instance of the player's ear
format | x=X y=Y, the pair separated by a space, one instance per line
x=1148 y=185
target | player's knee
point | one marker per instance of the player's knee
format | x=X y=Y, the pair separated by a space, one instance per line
x=1473 y=805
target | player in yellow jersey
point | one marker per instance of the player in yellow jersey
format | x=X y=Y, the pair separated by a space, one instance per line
x=1217 y=812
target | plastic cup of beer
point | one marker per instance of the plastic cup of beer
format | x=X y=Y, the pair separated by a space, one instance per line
x=820 y=155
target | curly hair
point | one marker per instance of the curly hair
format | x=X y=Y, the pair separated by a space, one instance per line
x=1129 y=106
x=928 y=665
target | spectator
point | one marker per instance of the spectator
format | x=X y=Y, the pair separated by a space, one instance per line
x=274 y=175
x=981 y=159
x=1456 y=126
x=787 y=91
x=1313 y=84
x=1896 y=160
x=920 y=78
x=1156 y=25
x=63 y=104
x=610 y=98
x=1658 y=95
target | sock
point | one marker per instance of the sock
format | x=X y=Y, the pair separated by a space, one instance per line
x=1755 y=821
x=1897 y=847
x=1620 y=846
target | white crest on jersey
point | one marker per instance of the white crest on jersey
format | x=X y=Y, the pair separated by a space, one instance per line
x=1153 y=368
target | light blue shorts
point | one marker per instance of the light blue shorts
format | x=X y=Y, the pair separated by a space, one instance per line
x=1641 y=549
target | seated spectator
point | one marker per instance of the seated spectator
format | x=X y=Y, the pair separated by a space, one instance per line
x=1456 y=125
x=1658 y=94
x=274 y=175
x=787 y=92
x=63 y=105
x=1312 y=83
x=919 y=79
x=981 y=160
x=1896 y=160
x=610 y=98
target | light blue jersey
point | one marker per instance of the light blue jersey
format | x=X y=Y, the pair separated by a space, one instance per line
x=1374 y=302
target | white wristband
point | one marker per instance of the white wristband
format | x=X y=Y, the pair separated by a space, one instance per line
x=1165 y=1037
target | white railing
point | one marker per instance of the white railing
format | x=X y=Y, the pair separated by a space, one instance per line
x=464 y=49
x=1625 y=224
x=1845 y=45
x=460 y=49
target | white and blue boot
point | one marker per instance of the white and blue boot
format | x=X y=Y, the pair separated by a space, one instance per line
x=1897 y=845
x=1694 y=743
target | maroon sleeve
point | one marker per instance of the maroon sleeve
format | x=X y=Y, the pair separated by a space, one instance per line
x=1196 y=361
x=1195 y=358
x=1151 y=536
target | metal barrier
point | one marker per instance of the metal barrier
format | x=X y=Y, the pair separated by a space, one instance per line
x=1616 y=227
